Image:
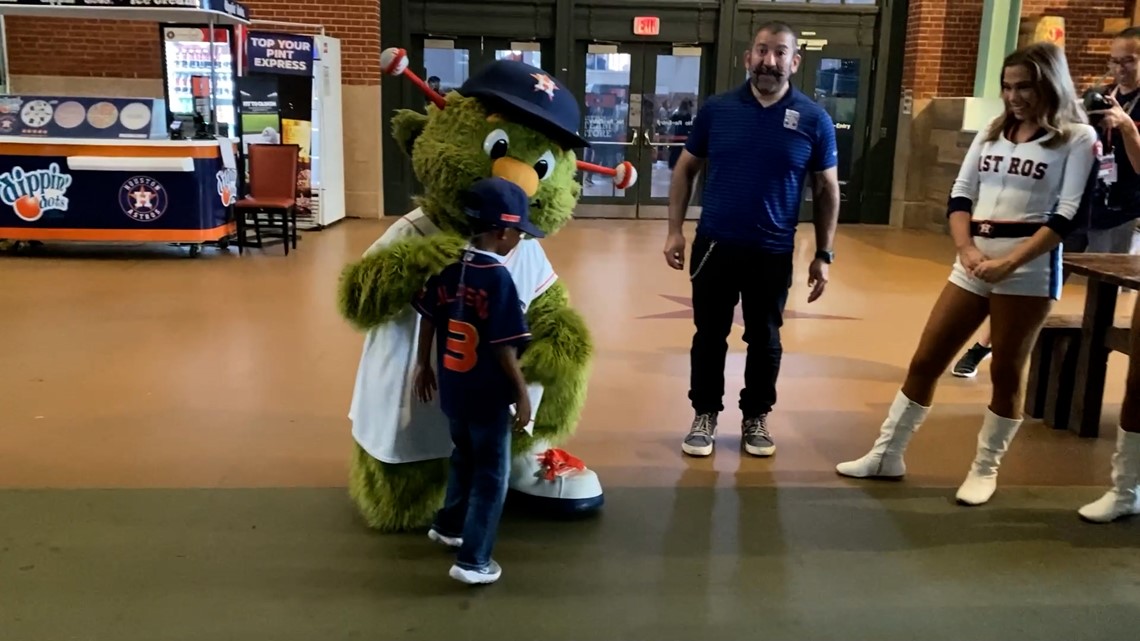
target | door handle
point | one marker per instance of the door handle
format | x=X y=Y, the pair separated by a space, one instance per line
x=645 y=137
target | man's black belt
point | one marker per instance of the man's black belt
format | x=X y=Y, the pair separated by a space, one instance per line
x=992 y=229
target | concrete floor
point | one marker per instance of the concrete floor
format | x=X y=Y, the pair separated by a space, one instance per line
x=173 y=452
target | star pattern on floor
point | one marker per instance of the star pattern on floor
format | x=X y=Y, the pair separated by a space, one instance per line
x=687 y=312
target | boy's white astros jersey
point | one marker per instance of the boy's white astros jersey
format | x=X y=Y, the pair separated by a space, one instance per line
x=1003 y=181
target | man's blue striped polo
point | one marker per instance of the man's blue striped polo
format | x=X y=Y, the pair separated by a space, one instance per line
x=757 y=161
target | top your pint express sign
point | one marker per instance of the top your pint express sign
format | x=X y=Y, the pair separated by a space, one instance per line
x=279 y=53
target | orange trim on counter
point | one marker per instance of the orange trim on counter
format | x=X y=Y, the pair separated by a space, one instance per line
x=109 y=150
x=121 y=235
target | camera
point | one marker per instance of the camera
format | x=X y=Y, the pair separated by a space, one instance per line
x=1094 y=100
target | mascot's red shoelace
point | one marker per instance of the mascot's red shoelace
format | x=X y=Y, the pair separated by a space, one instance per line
x=556 y=462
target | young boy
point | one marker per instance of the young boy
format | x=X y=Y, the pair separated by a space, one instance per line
x=473 y=309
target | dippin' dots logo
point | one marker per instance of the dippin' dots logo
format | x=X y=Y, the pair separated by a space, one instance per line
x=31 y=193
x=227 y=186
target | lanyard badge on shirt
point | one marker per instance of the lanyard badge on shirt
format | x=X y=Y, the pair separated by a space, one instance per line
x=1107 y=170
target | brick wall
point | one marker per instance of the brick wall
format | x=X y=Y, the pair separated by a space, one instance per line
x=942 y=41
x=112 y=49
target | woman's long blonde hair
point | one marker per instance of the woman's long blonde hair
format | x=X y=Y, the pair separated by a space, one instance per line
x=1058 y=106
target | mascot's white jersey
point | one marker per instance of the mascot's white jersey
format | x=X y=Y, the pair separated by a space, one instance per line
x=1027 y=182
x=388 y=421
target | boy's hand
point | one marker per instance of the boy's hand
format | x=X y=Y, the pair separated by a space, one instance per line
x=522 y=412
x=424 y=383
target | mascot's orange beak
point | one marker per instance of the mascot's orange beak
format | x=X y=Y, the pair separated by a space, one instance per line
x=515 y=171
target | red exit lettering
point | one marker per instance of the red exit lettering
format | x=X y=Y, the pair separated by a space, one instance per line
x=646 y=26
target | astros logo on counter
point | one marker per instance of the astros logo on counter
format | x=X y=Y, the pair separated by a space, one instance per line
x=143 y=199
x=31 y=193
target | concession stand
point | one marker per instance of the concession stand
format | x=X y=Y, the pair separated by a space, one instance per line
x=119 y=169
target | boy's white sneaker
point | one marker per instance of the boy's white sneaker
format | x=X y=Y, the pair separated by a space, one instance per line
x=449 y=541
x=489 y=574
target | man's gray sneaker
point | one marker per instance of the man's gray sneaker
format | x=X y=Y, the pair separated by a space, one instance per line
x=755 y=437
x=699 y=442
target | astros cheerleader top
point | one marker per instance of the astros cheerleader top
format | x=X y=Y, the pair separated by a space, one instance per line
x=1004 y=181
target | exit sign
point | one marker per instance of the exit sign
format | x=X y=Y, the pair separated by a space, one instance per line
x=646 y=26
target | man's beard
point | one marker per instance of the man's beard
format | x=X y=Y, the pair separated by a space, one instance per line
x=765 y=79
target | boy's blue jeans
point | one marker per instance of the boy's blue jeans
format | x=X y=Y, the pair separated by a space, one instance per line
x=476 y=487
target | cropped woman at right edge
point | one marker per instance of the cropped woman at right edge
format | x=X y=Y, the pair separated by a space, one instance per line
x=1015 y=197
x=1124 y=497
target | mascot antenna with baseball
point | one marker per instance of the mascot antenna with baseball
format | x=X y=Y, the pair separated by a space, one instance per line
x=513 y=121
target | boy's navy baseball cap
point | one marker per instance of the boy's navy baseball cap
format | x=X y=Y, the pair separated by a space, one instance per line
x=500 y=203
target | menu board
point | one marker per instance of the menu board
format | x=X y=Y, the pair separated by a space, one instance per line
x=67 y=117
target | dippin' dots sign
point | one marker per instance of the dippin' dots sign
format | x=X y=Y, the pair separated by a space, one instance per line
x=31 y=193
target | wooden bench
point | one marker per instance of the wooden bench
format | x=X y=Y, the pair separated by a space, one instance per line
x=1053 y=367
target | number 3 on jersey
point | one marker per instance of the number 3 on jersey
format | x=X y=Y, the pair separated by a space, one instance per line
x=462 y=341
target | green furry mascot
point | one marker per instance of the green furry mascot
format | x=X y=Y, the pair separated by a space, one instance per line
x=516 y=122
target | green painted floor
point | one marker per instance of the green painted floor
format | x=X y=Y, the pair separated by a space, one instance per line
x=878 y=562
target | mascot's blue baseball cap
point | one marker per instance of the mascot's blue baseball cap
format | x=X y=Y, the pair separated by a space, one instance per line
x=531 y=97
x=501 y=204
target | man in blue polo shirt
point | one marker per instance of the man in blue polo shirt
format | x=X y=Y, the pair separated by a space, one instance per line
x=756 y=144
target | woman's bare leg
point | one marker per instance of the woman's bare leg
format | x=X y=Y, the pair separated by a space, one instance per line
x=1015 y=322
x=954 y=318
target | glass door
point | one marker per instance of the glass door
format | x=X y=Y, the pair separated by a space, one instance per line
x=673 y=93
x=529 y=51
x=839 y=79
x=639 y=104
x=613 y=74
x=448 y=62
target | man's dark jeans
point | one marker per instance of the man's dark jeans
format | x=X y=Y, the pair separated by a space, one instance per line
x=476 y=487
x=723 y=275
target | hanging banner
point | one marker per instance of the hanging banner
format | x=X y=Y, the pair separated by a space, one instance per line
x=279 y=53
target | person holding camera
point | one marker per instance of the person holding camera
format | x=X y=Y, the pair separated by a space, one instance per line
x=1116 y=202
x=1108 y=221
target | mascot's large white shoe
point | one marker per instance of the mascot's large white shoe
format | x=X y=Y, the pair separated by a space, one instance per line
x=555 y=482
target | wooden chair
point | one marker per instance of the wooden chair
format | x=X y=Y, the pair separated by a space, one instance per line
x=272 y=195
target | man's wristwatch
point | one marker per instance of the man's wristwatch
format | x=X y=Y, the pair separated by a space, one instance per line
x=825 y=255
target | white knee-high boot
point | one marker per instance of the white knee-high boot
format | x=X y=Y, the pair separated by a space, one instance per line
x=1124 y=497
x=993 y=441
x=885 y=460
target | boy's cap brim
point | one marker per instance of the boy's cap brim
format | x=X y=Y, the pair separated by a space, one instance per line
x=527 y=227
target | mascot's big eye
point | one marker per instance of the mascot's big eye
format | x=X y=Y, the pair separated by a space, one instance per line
x=495 y=144
x=545 y=166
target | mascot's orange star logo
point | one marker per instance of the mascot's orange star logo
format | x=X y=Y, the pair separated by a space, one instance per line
x=544 y=83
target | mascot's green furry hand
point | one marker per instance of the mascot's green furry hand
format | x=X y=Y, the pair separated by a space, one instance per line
x=382 y=284
x=558 y=358
x=560 y=344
